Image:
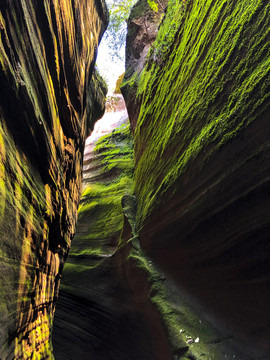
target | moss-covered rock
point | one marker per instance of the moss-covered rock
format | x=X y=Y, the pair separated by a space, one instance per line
x=118 y=84
x=101 y=198
x=47 y=55
x=89 y=280
x=142 y=29
x=202 y=160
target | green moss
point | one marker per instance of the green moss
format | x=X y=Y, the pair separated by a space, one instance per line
x=100 y=215
x=139 y=8
x=159 y=295
x=101 y=190
x=204 y=83
x=130 y=80
x=190 y=335
x=23 y=206
x=116 y=151
x=118 y=84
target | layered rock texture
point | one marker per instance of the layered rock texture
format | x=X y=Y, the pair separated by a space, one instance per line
x=202 y=163
x=103 y=311
x=114 y=302
x=171 y=255
x=100 y=313
x=142 y=26
x=49 y=100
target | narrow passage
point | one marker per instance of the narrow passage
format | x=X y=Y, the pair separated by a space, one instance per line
x=103 y=311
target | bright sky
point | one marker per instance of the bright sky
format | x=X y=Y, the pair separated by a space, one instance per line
x=108 y=69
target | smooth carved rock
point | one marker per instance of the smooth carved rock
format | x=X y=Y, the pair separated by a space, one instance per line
x=104 y=311
x=202 y=161
x=47 y=55
x=129 y=207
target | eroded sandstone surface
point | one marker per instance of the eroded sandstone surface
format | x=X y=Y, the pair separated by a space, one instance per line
x=202 y=161
x=171 y=256
x=114 y=301
x=49 y=101
x=142 y=26
x=104 y=311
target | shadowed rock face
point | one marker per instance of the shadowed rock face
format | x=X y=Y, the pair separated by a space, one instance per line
x=47 y=54
x=104 y=311
x=202 y=161
x=114 y=303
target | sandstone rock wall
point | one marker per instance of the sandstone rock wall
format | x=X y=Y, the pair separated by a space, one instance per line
x=202 y=161
x=142 y=28
x=47 y=54
x=104 y=311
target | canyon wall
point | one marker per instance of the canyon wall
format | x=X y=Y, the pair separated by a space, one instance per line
x=142 y=26
x=196 y=234
x=104 y=310
x=49 y=101
x=202 y=161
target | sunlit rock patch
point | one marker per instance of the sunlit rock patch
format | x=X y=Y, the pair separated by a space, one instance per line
x=47 y=54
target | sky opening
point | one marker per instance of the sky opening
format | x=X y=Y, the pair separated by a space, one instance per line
x=110 y=69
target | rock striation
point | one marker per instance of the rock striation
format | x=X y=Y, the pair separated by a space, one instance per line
x=49 y=99
x=104 y=310
x=98 y=315
x=142 y=28
x=114 y=302
x=170 y=264
x=202 y=162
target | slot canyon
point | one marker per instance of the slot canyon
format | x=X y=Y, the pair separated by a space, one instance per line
x=135 y=226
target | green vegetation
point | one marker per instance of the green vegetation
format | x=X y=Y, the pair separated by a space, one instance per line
x=41 y=135
x=190 y=335
x=115 y=36
x=100 y=215
x=196 y=92
x=117 y=151
x=101 y=199
x=153 y=5
x=118 y=84
x=22 y=229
